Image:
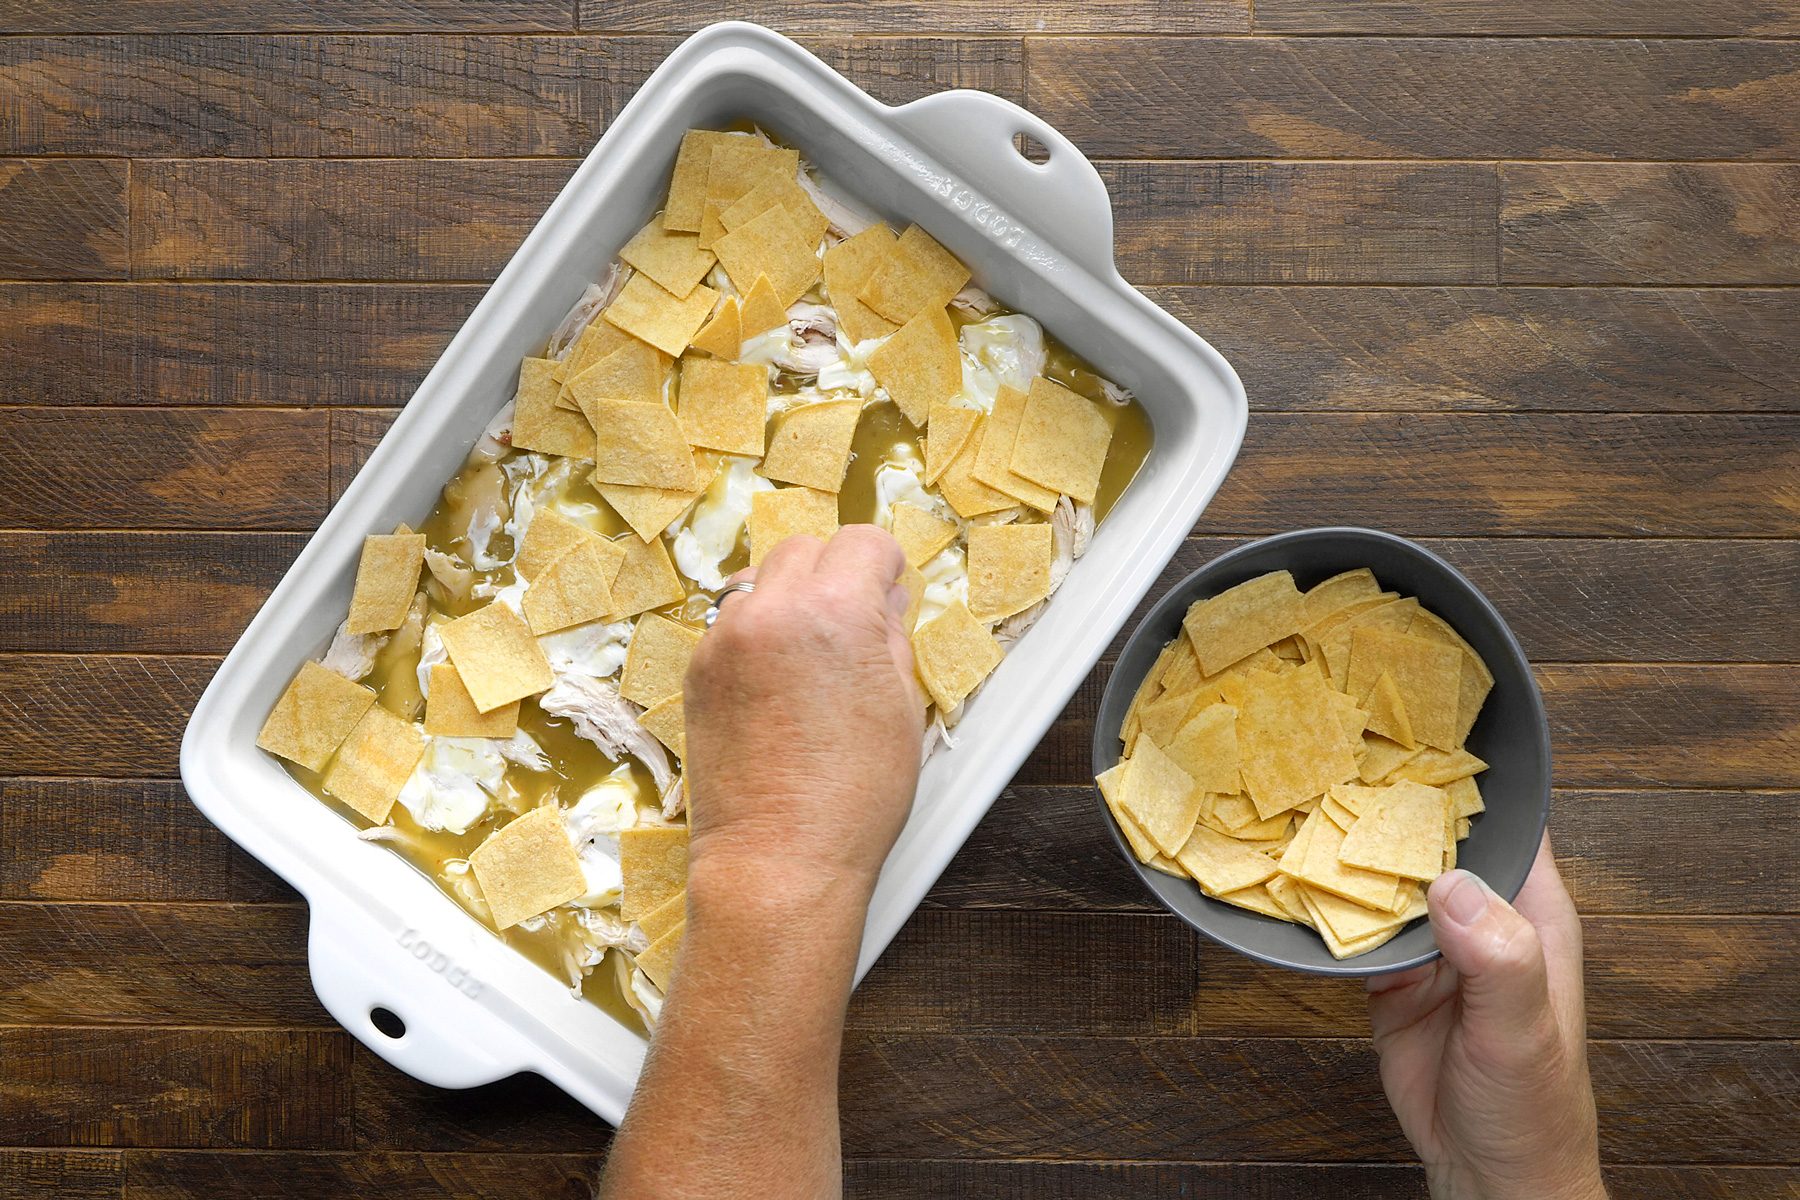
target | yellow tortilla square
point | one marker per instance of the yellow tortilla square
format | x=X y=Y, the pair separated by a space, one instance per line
x=1323 y=599
x=653 y=861
x=657 y=960
x=528 y=866
x=673 y=259
x=740 y=162
x=497 y=656
x=1400 y=833
x=687 y=186
x=641 y=444
x=712 y=224
x=1161 y=798
x=771 y=243
x=1340 y=815
x=917 y=274
x=646 y=579
x=592 y=344
x=914 y=583
x=647 y=310
x=948 y=430
x=1061 y=442
x=922 y=535
x=1256 y=899
x=538 y=424
x=664 y=917
x=1353 y=923
x=1321 y=868
x=1243 y=619
x=1221 y=864
x=1354 y=719
x=657 y=660
x=777 y=191
x=790 y=512
x=372 y=765
x=762 y=311
x=1334 y=643
x=549 y=536
x=920 y=365
x=1167 y=866
x=450 y=712
x=1476 y=680
x=1387 y=711
x=1110 y=783
x=1426 y=675
x=723 y=336
x=1436 y=768
x=811 y=444
x=650 y=510
x=1009 y=568
x=387 y=578
x=848 y=266
x=1164 y=716
x=724 y=405
x=1465 y=797
x=954 y=652
x=1291 y=746
x=314 y=716
x=1286 y=894
x=667 y=722
x=1380 y=757
x=1206 y=748
x=958 y=485
x=576 y=589
x=1354 y=798
x=993 y=456
x=635 y=371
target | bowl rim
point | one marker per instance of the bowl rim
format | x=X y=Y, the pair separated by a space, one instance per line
x=1107 y=751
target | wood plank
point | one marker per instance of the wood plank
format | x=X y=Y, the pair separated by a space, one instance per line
x=127 y=839
x=1618 y=851
x=182 y=96
x=355 y=432
x=65 y=1174
x=918 y=16
x=1635 y=223
x=1236 y=222
x=1579 y=475
x=179 y=593
x=1648 y=18
x=206 y=1175
x=164 y=468
x=1128 y=97
x=1151 y=976
x=190 y=16
x=523 y=1114
x=210 y=1088
x=116 y=715
x=63 y=219
x=1077 y=1097
x=1513 y=349
x=157 y=964
x=176 y=344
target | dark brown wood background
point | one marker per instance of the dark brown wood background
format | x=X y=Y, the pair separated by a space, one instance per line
x=1518 y=279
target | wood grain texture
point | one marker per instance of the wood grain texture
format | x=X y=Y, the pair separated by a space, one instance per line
x=1650 y=223
x=123 y=839
x=192 y=16
x=1675 y=18
x=119 y=715
x=913 y=16
x=63 y=219
x=208 y=1088
x=164 y=468
x=354 y=435
x=179 y=593
x=202 y=1175
x=523 y=1114
x=1237 y=222
x=1419 y=98
x=1515 y=349
x=409 y=96
x=1652 y=852
x=187 y=344
x=64 y=1174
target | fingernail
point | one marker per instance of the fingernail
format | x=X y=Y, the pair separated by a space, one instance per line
x=1466 y=899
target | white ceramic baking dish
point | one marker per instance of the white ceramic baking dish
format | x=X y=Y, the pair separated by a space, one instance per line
x=1038 y=237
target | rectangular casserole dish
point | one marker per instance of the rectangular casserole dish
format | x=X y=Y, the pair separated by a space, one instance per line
x=1038 y=237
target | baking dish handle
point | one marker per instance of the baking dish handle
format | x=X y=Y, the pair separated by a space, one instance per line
x=1063 y=198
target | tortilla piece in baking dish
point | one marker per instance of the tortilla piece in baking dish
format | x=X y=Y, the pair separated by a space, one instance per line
x=664 y=917
x=451 y=712
x=958 y=485
x=646 y=579
x=993 y=456
x=635 y=371
x=687 y=186
x=811 y=444
x=641 y=444
x=657 y=659
x=649 y=510
x=1061 y=442
x=777 y=191
x=528 y=866
x=740 y=162
x=653 y=862
x=549 y=536
x=917 y=274
x=848 y=266
x=948 y=428
x=576 y=589
x=921 y=534
x=771 y=243
x=647 y=310
x=497 y=656
x=592 y=344
x=724 y=405
x=954 y=654
x=673 y=259
x=667 y=722
x=722 y=336
x=1009 y=568
x=789 y=512
x=538 y=424
x=387 y=578
x=371 y=766
x=762 y=311
x=920 y=364
x=657 y=960
x=314 y=715
x=712 y=224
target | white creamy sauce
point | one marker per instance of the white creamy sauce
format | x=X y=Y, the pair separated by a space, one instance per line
x=431 y=653
x=710 y=536
x=593 y=824
x=946 y=582
x=455 y=781
x=596 y=648
x=1005 y=350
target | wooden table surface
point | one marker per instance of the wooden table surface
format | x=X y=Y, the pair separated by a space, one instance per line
x=1516 y=279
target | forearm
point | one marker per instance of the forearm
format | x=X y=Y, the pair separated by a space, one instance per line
x=741 y=1083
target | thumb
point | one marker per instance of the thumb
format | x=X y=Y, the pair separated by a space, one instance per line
x=1505 y=988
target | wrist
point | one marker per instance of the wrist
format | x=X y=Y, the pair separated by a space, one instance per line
x=1460 y=1182
x=783 y=893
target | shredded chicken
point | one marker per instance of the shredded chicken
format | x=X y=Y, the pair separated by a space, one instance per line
x=1114 y=393
x=596 y=297
x=846 y=219
x=609 y=721
x=496 y=439
x=455 y=578
x=937 y=737
x=352 y=655
x=1071 y=525
x=974 y=301
x=813 y=344
x=674 y=799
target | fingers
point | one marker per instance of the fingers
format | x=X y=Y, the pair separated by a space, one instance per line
x=791 y=558
x=864 y=552
x=1497 y=954
x=1544 y=901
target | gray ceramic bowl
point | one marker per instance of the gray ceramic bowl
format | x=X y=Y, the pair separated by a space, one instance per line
x=1511 y=735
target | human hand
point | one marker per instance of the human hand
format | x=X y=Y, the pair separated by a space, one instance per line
x=1484 y=1052
x=803 y=717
